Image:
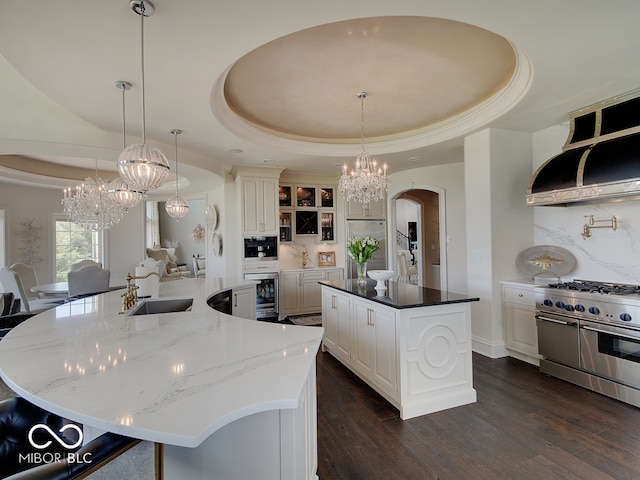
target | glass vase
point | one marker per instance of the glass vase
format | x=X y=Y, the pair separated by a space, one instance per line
x=362 y=272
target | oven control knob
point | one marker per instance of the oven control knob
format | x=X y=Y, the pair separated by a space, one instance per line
x=579 y=308
x=625 y=317
x=594 y=310
x=547 y=302
x=560 y=304
x=569 y=308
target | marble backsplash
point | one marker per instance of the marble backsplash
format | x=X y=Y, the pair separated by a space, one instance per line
x=612 y=256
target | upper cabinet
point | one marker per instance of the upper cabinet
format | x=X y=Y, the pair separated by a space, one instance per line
x=307 y=210
x=259 y=200
x=376 y=210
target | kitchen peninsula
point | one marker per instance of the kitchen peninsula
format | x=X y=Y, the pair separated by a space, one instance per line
x=225 y=397
x=411 y=344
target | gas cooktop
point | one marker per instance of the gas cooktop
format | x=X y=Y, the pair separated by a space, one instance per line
x=597 y=287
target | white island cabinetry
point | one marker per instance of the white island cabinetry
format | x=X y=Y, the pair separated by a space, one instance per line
x=412 y=346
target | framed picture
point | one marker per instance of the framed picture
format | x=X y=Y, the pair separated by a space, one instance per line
x=326 y=259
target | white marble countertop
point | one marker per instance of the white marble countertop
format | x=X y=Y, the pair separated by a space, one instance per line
x=172 y=378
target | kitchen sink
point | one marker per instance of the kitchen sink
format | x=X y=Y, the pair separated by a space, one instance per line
x=166 y=305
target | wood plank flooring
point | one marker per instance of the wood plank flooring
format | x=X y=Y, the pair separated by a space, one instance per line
x=525 y=425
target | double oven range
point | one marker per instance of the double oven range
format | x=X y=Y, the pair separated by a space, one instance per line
x=589 y=334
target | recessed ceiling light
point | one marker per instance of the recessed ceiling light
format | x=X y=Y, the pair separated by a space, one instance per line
x=414 y=159
x=235 y=150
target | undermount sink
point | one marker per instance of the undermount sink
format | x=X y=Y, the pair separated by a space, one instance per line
x=167 y=305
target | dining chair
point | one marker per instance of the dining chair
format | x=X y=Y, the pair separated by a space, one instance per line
x=405 y=269
x=88 y=280
x=84 y=263
x=11 y=282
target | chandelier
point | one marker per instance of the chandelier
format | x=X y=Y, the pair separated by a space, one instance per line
x=90 y=204
x=120 y=192
x=177 y=207
x=141 y=166
x=366 y=182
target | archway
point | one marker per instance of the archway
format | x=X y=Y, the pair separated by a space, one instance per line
x=418 y=224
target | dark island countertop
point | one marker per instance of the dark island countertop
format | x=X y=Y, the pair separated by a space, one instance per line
x=399 y=294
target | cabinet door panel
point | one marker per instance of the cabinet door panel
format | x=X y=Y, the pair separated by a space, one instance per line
x=289 y=293
x=385 y=350
x=364 y=338
x=270 y=207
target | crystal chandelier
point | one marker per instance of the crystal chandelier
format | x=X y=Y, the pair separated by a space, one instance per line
x=141 y=166
x=90 y=204
x=120 y=192
x=177 y=207
x=365 y=182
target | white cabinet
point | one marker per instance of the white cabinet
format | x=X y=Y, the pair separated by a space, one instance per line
x=300 y=291
x=519 y=309
x=260 y=206
x=243 y=302
x=374 y=344
x=336 y=322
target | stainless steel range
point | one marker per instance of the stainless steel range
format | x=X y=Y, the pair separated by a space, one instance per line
x=589 y=334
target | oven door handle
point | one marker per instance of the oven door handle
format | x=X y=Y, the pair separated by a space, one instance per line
x=553 y=320
x=616 y=334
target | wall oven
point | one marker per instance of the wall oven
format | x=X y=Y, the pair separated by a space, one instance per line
x=589 y=334
x=260 y=248
x=266 y=295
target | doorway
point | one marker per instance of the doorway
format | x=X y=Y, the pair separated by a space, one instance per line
x=418 y=224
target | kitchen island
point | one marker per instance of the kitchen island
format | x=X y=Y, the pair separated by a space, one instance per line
x=411 y=344
x=222 y=396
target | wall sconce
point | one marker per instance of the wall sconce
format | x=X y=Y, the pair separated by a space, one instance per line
x=586 y=231
x=198 y=233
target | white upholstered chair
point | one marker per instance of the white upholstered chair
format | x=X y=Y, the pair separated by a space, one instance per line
x=199 y=266
x=10 y=281
x=88 y=280
x=28 y=278
x=84 y=263
x=405 y=269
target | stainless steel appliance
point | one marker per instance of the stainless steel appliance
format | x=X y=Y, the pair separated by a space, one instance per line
x=589 y=334
x=368 y=228
x=260 y=248
x=266 y=295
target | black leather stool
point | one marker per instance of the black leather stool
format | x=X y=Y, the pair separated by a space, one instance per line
x=20 y=460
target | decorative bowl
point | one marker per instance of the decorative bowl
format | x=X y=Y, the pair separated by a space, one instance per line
x=380 y=276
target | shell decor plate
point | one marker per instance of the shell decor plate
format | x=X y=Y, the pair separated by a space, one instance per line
x=211 y=216
x=546 y=260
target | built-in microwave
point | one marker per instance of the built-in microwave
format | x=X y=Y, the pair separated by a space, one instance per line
x=260 y=248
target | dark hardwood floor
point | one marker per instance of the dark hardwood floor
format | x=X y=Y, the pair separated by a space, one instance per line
x=525 y=425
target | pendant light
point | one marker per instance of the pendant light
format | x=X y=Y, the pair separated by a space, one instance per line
x=118 y=190
x=366 y=182
x=141 y=166
x=177 y=207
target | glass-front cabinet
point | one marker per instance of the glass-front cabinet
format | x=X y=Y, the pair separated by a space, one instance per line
x=307 y=210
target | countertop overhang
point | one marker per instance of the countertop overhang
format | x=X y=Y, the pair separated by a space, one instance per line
x=172 y=378
x=399 y=294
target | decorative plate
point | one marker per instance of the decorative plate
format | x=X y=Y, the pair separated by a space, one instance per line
x=211 y=216
x=217 y=244
x=546 y=260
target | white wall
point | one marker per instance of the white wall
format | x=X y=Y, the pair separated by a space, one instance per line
x=450 y=178
x=499 y=225
x=607 y=255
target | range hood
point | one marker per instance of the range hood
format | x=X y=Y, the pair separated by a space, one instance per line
x=600 y=161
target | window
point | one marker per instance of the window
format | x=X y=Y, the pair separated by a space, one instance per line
x=75 y=243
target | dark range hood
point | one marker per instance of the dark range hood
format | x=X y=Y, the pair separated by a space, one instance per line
x=600 y=161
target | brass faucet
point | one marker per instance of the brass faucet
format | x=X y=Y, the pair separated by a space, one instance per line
x=130 y=296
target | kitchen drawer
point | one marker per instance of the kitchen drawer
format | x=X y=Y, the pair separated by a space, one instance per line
x=311 y=275
x=524 y=295
x=262 y=266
